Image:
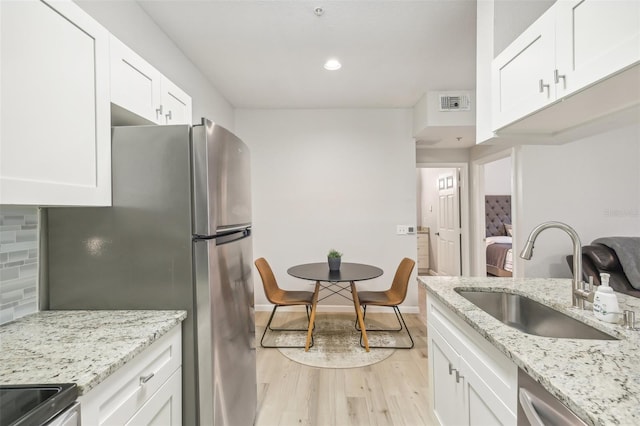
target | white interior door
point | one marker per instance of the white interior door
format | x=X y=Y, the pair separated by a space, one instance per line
x=448 y=224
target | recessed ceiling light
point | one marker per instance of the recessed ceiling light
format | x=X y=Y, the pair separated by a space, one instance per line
x=332 y=65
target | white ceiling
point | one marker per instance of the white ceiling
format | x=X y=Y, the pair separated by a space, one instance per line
x=270 y=53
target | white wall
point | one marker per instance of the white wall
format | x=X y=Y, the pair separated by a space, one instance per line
x=327 y=179
x=428 y=155
x=591 y=184
x=128 y=22
x=511 y=18
x=497 y=177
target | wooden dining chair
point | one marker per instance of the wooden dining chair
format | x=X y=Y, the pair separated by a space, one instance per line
x=392 y=297
x=280 y=297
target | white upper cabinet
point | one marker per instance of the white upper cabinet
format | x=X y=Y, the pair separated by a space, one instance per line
x=522 y=73
x=574 y=48
x=176 y=104
x=139 y=88
x=594 y=39
x=135 y=84
x=55 y=133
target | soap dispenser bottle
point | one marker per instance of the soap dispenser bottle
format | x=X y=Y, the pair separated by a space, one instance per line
x=605 y=302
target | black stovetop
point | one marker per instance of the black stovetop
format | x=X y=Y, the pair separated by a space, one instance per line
x=34 y=404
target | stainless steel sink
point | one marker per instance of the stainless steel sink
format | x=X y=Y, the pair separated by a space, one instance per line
x=531 y=317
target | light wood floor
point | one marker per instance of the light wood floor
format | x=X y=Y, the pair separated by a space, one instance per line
x=391 y=392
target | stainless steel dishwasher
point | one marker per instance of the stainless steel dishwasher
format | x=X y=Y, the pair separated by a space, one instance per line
x=538 y=407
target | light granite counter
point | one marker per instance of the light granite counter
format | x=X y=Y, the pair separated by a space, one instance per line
x=82 y=347
x=599 y=380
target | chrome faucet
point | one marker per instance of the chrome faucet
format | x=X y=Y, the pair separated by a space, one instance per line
x=578 y=292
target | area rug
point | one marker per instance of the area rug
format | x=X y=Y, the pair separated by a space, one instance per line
x=336 y=343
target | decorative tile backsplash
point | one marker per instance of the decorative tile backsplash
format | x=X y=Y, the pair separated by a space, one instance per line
x=18 y=262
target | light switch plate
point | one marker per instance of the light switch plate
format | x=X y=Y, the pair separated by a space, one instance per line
x=405 y=229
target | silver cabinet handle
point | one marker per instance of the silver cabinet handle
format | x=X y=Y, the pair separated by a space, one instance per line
x=145 y=379
x=168 y=115
x=159 y=111
x=542 y=87
x=458 y=375
x=557 y=76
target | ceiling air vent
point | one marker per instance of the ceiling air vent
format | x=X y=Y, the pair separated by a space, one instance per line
x=460 y=102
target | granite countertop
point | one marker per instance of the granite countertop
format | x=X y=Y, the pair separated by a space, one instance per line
x=82 y=347
x=599 y=380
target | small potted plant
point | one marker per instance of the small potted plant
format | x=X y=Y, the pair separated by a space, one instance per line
x=334 y=258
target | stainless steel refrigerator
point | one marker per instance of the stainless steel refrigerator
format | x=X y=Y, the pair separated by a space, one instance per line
x=178 y=236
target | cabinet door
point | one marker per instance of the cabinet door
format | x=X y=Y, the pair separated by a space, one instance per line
x=446 y=392
x=522 y=74
x=124 y=393
x=423 y=251
x=164 y=408
x=176 y=104
x=135 y=84
x=482 y=405
x=55 y=136
x=595 y=39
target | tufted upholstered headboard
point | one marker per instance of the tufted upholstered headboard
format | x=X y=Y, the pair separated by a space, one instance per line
x=497 y=212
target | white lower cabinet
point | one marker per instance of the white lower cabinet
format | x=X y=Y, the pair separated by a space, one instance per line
x=471 y=382
x=145 y=391
x=447 y=396
x=165 y=407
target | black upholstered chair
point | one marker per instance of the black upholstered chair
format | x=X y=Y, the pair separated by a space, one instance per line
x=597 y=258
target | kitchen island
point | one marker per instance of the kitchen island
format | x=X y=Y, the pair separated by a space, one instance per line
x=82 y=347
x=599 y=380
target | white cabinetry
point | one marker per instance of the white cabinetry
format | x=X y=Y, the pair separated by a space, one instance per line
x=176 y=104
x=55 y=135
x=572 y=46
x=471 y=381
x=521 y=74
x=139 y=88
x=146 y=391
x=594 y=39
x=423 y=251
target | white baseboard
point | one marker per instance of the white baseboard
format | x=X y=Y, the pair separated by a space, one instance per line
x=339 y=308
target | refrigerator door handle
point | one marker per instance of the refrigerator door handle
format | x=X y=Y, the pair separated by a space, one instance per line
x=233 y=229
x=224 y=236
